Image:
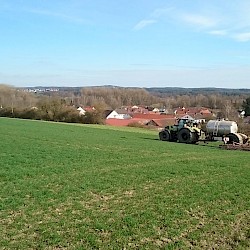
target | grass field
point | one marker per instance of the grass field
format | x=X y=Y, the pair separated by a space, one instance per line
x=65 y=186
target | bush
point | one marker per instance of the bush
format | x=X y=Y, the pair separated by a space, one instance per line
x=6 y=112
x=136 y=125
x=65 y=114
x=244 y=128
x=94 y=117
x=27 y=114
x=68 y=114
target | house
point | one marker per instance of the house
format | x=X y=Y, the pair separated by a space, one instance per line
x=242 y=113
x=119 y=114
x=135 y=109
x=187 y=117
x=81 y=111
x=151 y=116
x=156 y=110
x=106 y=113
x=89 y=109
x=198 y=114
x=193 y=110
x=154 y=120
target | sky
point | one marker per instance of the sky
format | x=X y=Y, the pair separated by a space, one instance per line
x=128 y=43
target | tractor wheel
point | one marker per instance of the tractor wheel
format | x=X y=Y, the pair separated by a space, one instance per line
x=234 y=138
x=195 y=137
x=186 y=136
x=164 y=135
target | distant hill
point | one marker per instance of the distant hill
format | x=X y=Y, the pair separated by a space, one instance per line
x=154 y=90
x=195 y=91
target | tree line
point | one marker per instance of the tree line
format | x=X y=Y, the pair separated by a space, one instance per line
x=62 y=105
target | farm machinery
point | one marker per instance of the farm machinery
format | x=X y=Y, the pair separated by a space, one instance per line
x=190 y=131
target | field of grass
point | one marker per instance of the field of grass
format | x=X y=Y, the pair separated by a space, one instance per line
x=66 y=186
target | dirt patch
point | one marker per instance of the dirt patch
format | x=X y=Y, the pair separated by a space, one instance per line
x=243 y=147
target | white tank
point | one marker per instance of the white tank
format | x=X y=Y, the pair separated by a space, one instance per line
x=220 y=128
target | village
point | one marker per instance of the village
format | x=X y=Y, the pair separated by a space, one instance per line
x=154 y=117
x=124 y=107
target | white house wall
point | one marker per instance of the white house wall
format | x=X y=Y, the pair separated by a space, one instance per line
x=115 y=115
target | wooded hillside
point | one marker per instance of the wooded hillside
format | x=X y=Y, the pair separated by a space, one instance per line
x=51 y=103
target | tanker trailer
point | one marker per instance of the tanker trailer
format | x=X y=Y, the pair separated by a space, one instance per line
x=227 y=131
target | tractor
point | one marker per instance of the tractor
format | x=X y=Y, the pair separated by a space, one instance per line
x=189 y=131
x=186 y=131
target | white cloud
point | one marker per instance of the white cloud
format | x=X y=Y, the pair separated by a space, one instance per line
x=215 y=18
x=242 y=37
x=228 y=21
x=218 y=32
x=199 y=20
x=142 y=24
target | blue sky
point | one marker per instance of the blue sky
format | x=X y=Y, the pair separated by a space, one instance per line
x=140 y=43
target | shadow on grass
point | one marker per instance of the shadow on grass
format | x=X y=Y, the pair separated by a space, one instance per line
x=201 y=144
x=151 y=139
x=208 y=145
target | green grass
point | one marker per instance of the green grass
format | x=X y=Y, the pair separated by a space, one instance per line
x=65 y=186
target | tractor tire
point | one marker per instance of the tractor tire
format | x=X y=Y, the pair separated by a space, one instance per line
x=196 y=137
x=164 y=135
x=186 y=136
x=234 y=138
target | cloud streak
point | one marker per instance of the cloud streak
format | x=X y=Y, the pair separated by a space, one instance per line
x=242 y=37
x=199 y=20
x=230 y=21
x=218 y=32
x=144 y=23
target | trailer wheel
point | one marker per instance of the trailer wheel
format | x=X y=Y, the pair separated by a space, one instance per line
x=164 y=135
x=186 y=136
x=234 y=138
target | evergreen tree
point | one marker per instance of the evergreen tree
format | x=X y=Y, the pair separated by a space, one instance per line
x=246 y=106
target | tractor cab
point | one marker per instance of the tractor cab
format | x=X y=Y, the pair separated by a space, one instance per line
x=183 y=123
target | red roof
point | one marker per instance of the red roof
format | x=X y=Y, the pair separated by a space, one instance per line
x=152 y=116
x=205 y=111
x=155 y=122
x=89 y=109
x=123 y=122
x=192 y=110
x=162 y=122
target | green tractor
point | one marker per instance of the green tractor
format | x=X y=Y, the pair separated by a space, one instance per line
x=186 y=131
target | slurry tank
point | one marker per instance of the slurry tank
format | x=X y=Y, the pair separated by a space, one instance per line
x=220 y=128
